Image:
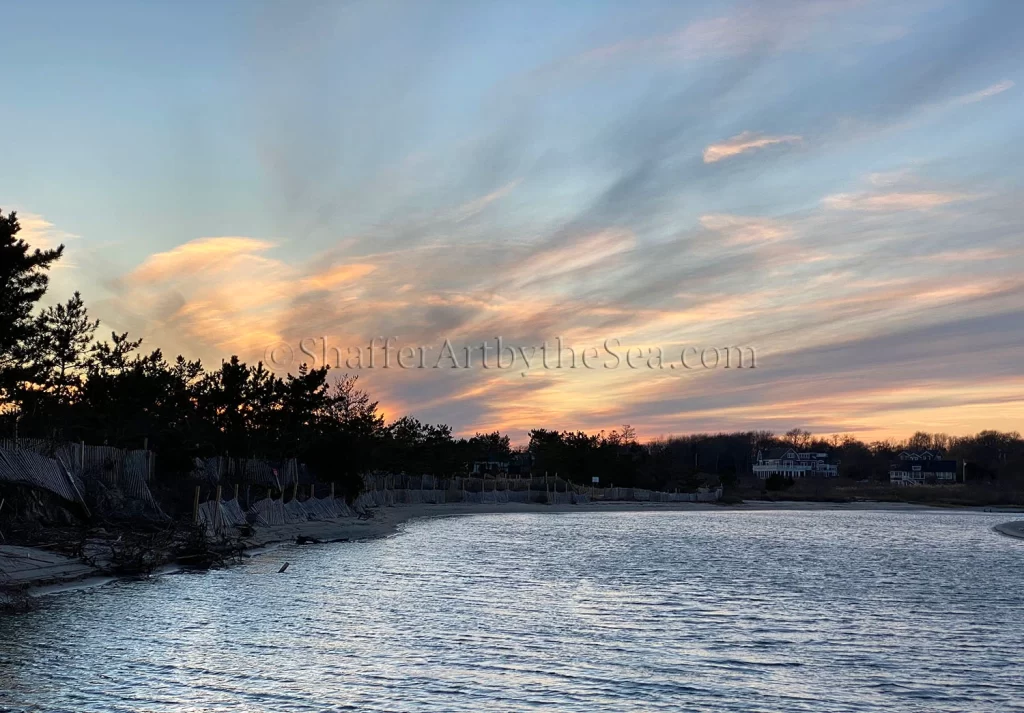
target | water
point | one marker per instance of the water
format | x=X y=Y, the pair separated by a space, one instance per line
x=619 y=612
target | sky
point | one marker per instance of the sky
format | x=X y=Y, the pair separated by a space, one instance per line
x=833 y=184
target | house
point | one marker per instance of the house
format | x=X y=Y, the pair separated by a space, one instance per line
x=920 y=467
x=516 y=464
x=791 y=463
x=490 y=468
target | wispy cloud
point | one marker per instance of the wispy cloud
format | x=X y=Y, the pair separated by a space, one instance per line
x=971 y=255
x=754 y=28
x=985 y=93
x=198 y=256
x=337 y=275
x=738 y=229
x=741 y=143
x=578 y=254
x=474 y=207
x=888 y=202
x=43 y=234
x=39 y=232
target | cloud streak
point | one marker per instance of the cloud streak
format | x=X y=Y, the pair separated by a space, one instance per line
x=985 y=93
x=886 y=202
x=742 y=143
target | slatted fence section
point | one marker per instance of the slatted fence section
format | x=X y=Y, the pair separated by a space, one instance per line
x=25 y=467
x=130 y=471
x=218 y=470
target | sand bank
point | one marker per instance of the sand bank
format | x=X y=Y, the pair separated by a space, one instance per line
x=1011 y=529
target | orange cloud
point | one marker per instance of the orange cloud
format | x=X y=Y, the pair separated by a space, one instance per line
x=198 y=256
x=334 y=276
x=741 y=143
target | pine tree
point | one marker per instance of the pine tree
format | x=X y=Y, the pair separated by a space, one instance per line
x=23 y=281
x=63 y=335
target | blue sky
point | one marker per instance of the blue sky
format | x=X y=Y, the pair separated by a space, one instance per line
x=835 y=183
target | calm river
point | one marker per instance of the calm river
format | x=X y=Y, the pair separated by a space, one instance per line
x=618 y=612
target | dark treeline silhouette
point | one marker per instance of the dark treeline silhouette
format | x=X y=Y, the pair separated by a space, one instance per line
x=685 y=461
x=59 y=381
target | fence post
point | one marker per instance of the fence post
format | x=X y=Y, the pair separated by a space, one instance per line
x=216 y=513
x=332 y=491
x=195 y=507
x=236 y=491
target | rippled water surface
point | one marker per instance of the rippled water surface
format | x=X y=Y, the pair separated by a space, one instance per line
x=702 y=611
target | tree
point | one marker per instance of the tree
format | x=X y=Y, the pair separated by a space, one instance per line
x=626 y=437
x=23 y=281
x=920 y=441
x=351 y=405
x=490 y=447
x=798 y=438
x=112 y=359
x=349 y=436
x=62 y=337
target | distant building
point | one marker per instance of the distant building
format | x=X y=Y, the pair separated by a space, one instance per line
x=493 y=468
x=516 y=464
x=791 y=463
x=921 y=467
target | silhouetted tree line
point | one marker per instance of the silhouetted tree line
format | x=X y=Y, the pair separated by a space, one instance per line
x=58 y=381
x=687 y=461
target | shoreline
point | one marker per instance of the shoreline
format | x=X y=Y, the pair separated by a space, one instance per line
x=388 y=520
x=1013 y=529
x=55 y=574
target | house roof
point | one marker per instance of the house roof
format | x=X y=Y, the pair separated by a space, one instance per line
x=926 y=466
x=927 y=452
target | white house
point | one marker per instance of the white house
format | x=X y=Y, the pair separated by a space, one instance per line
x=791 y=463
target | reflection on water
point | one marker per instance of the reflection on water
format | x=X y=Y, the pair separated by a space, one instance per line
x=702 y=611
